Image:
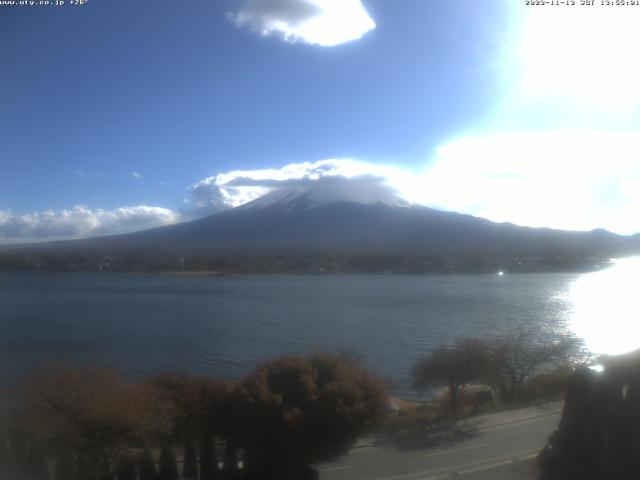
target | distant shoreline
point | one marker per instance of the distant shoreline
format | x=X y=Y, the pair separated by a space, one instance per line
x=195 y=273
x=308 y=264
x=217 y=274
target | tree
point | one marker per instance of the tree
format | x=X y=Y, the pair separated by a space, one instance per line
x=6 y=463
x=208 y=460
x=598 y=434
x=189 y=461
x=292 y=412
x=451 y=366
x=104 y=471
x=64 y=466
x=230 y=462
x=125 y=468
x=168 y=469
x=35 y=465
x=517 y=357
x=88 y=411
x=146 y=467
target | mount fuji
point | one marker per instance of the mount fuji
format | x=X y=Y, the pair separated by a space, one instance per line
x=339 y=218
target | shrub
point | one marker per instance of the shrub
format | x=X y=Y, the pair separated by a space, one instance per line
x=294 y=411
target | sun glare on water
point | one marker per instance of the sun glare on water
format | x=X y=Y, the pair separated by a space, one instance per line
x=606 y=310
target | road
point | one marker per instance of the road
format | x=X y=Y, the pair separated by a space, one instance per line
x=495 y=447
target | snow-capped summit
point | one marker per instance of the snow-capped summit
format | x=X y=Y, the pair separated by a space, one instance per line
x=318 y=194
x=357 y=216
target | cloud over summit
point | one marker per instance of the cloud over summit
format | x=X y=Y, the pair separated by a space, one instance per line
x=237 y=187
x=325 y=23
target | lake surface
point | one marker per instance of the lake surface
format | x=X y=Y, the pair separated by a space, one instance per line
x=222 y=326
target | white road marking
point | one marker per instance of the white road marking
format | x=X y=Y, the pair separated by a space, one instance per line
x=365 y=450
x=484 y=467
x=447 y=452
x=517 y=423
x=333 y=469
x=528 y=457
x=408 y=475
x=498 y=461
x=504 y=460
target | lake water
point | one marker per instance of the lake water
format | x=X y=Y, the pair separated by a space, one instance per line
x=222 y=326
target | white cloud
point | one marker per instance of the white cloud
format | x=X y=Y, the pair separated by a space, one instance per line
x=238 y=187
x=575 y=180
x=582 y=55
x=317 y=22
x=81 y=222
x=136 y=175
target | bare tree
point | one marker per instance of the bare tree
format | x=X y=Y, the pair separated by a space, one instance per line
x=515 y=358
x=452 y=366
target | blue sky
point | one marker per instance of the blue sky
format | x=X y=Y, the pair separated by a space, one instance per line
x=119 y=115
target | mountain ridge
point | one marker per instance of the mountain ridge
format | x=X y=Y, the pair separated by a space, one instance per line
x=302 y=223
